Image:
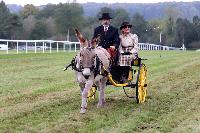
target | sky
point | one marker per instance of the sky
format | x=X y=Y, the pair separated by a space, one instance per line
x=44 y=2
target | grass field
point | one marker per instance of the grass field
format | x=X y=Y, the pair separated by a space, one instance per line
x=37 y=96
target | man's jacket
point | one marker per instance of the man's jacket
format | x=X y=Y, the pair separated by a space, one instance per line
x=108 y=38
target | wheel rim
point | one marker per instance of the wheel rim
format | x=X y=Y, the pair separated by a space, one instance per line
x=142 y=88
x=91 y=93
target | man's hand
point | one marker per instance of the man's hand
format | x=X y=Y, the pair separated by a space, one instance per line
x=112 y=47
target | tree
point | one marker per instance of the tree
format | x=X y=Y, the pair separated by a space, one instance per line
x=184 y=33
x=154 y=30
x=14 y=26
x=46 y=12
x=28 y=10
x=4 y=13
x=67 y=17
x=173 y=13
x=196 y=20
x=28 y=26
x=90 y=24
x=120 y=16
x=50 y=25
x=196 y=24
x=170 y=26
x=106 y=10
x=139 y=26
x=39 y=31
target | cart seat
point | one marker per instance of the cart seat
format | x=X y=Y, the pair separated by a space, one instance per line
x=119 y=74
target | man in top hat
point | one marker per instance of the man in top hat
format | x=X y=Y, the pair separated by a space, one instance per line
x=128 y=45
x=109 y=36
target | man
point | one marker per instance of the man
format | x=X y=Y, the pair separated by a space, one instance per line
x=109 y=36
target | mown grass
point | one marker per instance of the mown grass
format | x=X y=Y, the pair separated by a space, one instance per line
x=37 y=96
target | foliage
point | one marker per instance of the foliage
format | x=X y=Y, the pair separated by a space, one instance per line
x=139 y=26
x=4 y=13
x=28 y=10
x=47 y=11
x=14 y=26
x=28 y=25
x=171 y=29
x=39 y=31
x=106 y=10
x=67 y=17
x=120 y=16
x=10 y=24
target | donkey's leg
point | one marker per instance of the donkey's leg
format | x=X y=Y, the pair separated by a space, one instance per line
x=82 y=86
x=104 y=80
x=88 y=85
x=81 y=80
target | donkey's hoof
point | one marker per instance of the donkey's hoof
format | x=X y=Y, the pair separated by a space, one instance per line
x=83 y=111
x=99 y=105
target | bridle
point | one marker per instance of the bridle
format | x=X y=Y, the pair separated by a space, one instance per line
x=78 y=66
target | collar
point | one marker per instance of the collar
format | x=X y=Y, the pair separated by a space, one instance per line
x=126 y=35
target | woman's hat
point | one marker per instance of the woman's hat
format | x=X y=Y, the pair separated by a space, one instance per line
x=124 y=24
x=105 y=16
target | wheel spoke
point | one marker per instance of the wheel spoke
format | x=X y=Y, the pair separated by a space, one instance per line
x=142 y=89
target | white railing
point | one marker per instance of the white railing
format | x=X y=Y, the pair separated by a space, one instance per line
x=148 y=46
x=35 y=46
x=38 y=45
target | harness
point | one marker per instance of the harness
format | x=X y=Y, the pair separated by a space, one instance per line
x=96 y=68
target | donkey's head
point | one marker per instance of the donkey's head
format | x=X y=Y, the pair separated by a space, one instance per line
x=87 y=56
x=87 y=61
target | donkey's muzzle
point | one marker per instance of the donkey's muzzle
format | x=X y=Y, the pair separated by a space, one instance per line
x=86 y=73
x=86 y=76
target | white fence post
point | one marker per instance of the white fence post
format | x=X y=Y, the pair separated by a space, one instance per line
x=26 y=47
x=50 y=47
x=75 y=47
x=7 y=48
x=42 y=47
x=17 y=48
x=57 y=46
x=70 y=49
x=35 y=48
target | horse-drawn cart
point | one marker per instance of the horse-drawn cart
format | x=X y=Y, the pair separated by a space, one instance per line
x=134 y=76
x=93 y=69
x=128 y=77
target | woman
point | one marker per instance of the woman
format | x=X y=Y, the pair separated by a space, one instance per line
x=128 y=45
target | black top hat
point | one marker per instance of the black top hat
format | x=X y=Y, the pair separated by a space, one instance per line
x=124 y=24
x=105 y=16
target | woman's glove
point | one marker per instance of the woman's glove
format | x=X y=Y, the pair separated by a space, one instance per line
x=134 y=56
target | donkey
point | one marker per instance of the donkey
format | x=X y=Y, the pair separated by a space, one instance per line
x=88 y=69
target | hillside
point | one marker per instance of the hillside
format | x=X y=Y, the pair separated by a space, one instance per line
x=156 y=10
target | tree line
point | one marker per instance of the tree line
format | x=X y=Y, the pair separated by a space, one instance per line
x=56 y=22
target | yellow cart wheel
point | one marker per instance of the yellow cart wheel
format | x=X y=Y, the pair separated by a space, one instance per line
x=91 y=93
x=141 y=84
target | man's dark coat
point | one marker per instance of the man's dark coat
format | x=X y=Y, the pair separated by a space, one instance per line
x=108 y=38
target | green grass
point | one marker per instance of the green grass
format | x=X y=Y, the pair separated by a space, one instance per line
x=36 y=95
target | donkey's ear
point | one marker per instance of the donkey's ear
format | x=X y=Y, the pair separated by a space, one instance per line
x=95 y=41
x=80 y=37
